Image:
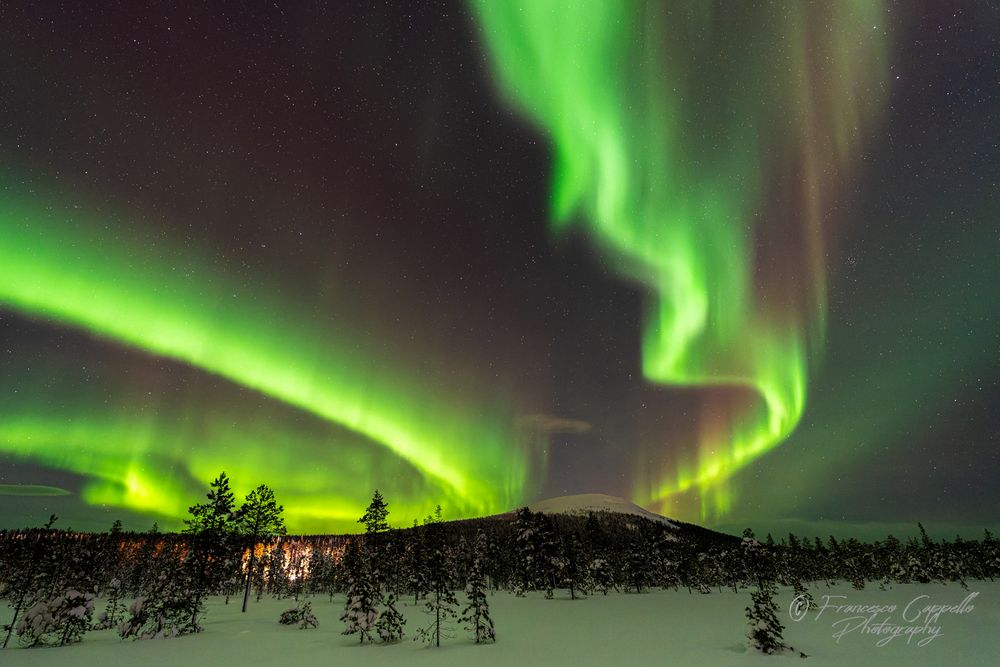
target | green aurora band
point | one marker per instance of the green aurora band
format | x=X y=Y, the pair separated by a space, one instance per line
x=58 y=266
x=700 y=143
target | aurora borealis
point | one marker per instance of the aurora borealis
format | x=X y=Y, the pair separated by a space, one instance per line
x=678 y=210
x=734 y=263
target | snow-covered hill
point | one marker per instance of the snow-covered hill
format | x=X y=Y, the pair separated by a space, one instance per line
x=585 y=503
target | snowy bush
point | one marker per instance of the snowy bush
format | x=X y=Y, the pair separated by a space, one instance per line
x=62 y=619
x=165 y=612
x=300 y=615
x=109 y=618
x=390 y=622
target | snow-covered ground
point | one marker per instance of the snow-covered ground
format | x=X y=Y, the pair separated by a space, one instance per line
x=585 y=503
x=657 y=628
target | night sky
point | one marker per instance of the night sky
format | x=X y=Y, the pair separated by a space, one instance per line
x=736 y=262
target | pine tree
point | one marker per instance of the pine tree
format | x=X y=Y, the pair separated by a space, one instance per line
x=361 y=608
x=549 y=562
x=574 y=571
x=803 y=598
x=441 y=603
x=637 y=559
x=62 y=619
x=213 y=527
x=390 y=622
x=259 y=517
x=376 y=525
x=165 y=611
x=525 y=550
x=24 y=572
x=416 y=567
x=477 y=614
x=762 y=617
x=376 y=515
x=109 y=618
x=989 y=555
x=600 y=577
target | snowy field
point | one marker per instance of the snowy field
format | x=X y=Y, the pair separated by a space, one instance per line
x=656 y=628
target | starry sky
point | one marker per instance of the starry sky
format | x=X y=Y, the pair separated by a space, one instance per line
x=737 y=264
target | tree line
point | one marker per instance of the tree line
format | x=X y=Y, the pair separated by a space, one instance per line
x=154 y=584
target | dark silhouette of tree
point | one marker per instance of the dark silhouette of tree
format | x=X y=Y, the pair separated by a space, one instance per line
x=213 y=528
x=259 y=517
x=477 y=613
x=441 y=603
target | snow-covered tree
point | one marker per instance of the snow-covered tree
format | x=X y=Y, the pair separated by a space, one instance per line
x=300 y=615
x=637 y=559
x=803 y=598
x=537 y=552
x=574 y=567
x=441 y=603
x=476 y=615
x=599 y=576
x=390 y=622
x=762 y=616
x=61 y=619
x=111 y=616
x=524 y=550
x=361 y=608
x=416 y=563
x=166 y=611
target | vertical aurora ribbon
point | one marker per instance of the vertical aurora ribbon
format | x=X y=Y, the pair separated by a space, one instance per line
x=700 y=144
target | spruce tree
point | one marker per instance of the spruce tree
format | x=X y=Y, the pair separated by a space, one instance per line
x=525 y=551
x=599 y=576
x=376 y=525
x=574 y=571
x=416 y=562
x=765 y=628
x=165 y=610
x=361 y=608
x=477 y=614
x=60 y=620
x=441 y=603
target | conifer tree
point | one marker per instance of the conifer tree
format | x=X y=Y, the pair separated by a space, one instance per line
x=376 y=525
x=441 y=603
x=765 y=628
x=212 y=557
x=361 y=608
x=111 y=615
x=416 y=568
x=61 y=619
x=259 y=517
x=574 y=571
x=525 y=551
x=477 y=614
x=166 y=610
x=390 y=622
x=599 y=576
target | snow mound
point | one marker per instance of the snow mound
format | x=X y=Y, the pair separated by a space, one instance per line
x=585 y=503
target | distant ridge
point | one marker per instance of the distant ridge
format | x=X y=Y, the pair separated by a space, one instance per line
x=585 y=503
